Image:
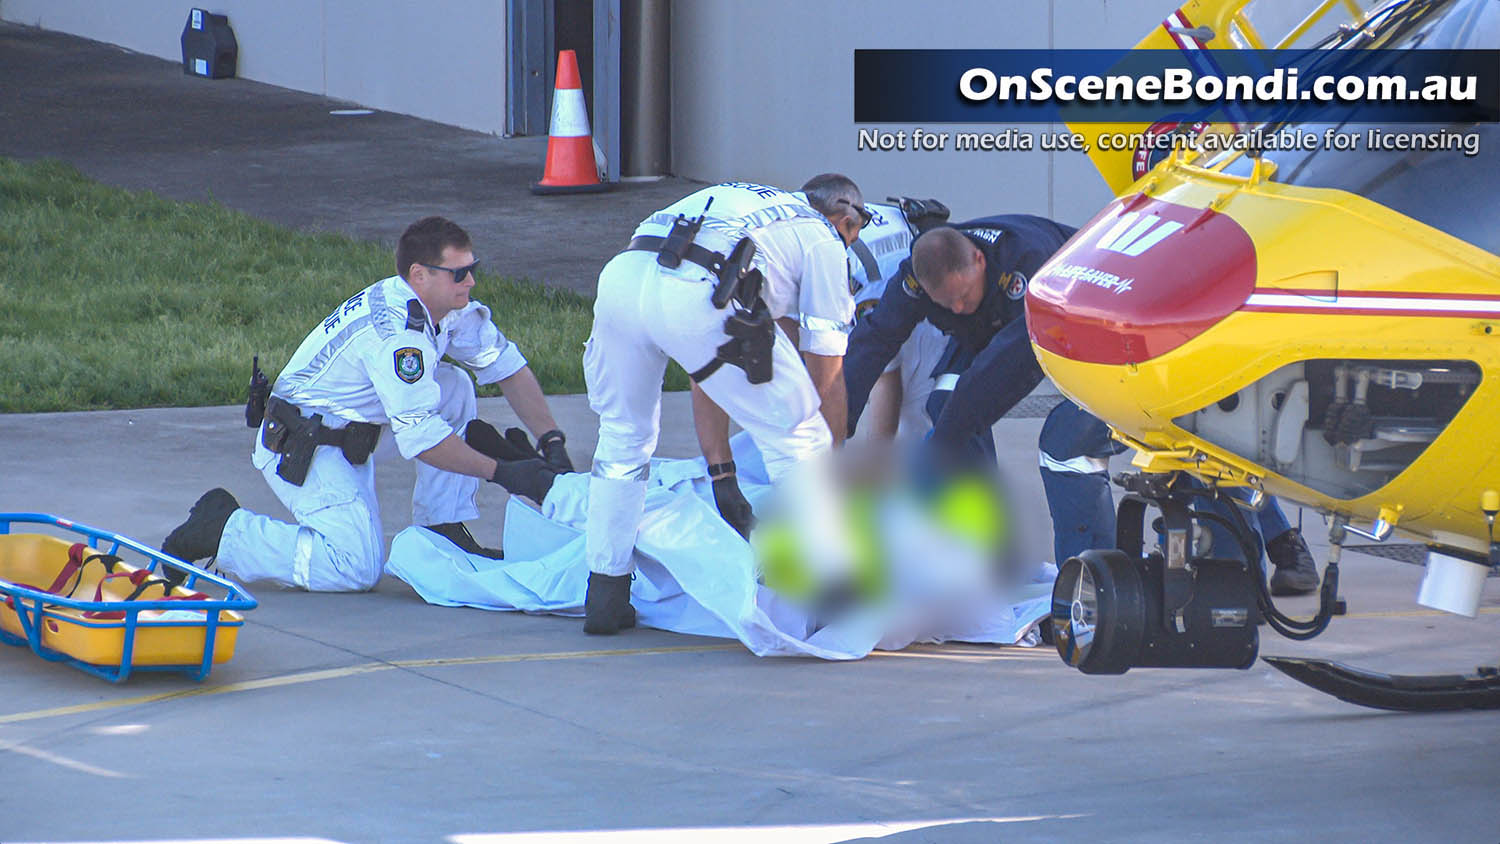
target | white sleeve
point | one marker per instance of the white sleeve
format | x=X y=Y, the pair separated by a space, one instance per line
x=401 y=369
x=475 y=342
x=825 y=305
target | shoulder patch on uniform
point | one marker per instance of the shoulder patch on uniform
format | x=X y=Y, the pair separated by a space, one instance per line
x=409 y=364
x=416 y=318
x=986 y=234
x=909 y=284
x=1014 y=285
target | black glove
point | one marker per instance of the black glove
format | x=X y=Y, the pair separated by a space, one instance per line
x=733 y=506
x=553 y=448
x=517 y=466
x=483 y=438
x=531 y=477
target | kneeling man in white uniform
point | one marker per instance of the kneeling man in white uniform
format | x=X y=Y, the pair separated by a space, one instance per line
x=375 y=363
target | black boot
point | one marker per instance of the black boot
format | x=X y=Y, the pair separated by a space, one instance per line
x=458 y=534
x=606 y=607
x=1296 y=573
x=198 y=537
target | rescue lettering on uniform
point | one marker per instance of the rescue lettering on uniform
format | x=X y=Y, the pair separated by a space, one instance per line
x=986 y=235
x=762 y=191
x=354 y=301
x=409 y=364
x=331 y=322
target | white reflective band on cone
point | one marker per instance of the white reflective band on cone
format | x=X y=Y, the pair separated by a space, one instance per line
x=569 y=117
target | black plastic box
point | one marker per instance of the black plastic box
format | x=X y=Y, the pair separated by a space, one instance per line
x=208 y=46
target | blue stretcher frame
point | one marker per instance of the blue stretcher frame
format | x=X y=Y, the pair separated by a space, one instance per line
x=32 y=605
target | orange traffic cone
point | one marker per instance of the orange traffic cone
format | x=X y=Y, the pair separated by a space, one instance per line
x=570 y=148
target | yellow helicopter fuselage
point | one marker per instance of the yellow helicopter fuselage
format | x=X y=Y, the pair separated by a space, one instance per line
x=1227 y=324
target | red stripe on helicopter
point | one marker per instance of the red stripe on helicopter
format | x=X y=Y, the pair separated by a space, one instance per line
x=1373 y=303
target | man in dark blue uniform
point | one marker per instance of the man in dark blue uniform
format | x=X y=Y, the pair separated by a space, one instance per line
x=969 y=280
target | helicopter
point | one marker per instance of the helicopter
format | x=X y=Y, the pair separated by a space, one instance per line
x=1320 y=325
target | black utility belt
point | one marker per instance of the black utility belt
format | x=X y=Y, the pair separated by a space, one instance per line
x=705 y=258
x=751 y=330
x=294 y=436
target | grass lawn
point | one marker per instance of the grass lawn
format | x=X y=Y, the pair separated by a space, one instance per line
x=115 y=299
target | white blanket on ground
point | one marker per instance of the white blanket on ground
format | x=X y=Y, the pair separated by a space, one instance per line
x=694 y=575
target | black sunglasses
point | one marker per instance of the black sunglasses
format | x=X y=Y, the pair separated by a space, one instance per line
x=459 y=273
x=864 y=216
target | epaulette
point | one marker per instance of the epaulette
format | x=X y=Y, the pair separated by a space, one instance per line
x=416 y=316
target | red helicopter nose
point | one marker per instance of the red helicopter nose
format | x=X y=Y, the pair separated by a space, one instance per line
x=1141 y=279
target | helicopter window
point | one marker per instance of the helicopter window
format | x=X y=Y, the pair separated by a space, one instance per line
x=1439 y=182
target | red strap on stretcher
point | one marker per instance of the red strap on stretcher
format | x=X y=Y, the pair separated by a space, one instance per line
x=140 y=578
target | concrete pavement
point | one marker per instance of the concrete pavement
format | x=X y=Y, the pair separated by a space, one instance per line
x=376 y=717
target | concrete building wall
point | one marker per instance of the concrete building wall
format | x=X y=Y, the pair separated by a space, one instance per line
x=764 y=91
x=443 y=60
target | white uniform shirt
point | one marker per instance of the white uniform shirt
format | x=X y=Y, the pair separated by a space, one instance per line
x=807 y=279
x=797 y=249
x=373 y=360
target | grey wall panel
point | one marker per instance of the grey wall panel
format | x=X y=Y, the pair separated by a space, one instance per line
x=443 y=60
x=440 y=59
x=764 y=91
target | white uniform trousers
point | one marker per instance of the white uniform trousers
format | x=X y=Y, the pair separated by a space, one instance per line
x=337 y=543
x=643 y=315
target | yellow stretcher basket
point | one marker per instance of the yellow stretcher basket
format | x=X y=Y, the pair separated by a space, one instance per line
x=79 y=602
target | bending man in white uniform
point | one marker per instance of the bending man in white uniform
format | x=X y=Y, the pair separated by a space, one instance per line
x=654 y=303
x=374 y=363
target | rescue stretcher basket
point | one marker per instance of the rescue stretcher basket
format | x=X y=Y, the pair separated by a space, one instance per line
x=100 y=614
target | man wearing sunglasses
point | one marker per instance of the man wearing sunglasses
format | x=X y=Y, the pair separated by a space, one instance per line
x=655 y=303
x=376 y=362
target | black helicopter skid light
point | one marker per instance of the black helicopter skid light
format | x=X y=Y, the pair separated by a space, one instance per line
x=1401 y=692
x=1117 y=609
x=1108 y=615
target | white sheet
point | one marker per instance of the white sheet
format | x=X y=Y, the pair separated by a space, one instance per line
x=694 y=575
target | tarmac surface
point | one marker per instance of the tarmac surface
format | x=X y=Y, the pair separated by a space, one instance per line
x=376 y=717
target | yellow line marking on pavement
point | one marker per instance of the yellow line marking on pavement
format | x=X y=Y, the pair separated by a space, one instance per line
x=1414 y=613
x=350 y=671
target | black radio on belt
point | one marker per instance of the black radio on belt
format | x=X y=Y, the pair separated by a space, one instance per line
x=674 y=248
